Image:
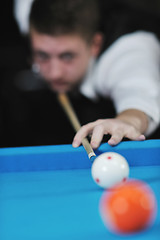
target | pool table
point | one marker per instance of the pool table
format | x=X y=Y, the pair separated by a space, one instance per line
x=47 y=192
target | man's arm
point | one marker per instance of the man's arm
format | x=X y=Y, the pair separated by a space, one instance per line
x=129 y=73
x=131 y=124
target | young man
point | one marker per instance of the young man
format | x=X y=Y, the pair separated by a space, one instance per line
x=68 y=51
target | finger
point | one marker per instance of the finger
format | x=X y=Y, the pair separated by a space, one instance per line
x=134 y=134
x=97 y=136
x=116 y=138
x=82 y=133
x=141 y=138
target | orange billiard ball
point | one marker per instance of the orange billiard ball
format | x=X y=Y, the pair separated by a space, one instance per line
x=128 y=207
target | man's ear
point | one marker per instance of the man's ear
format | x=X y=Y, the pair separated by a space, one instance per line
x=97 y=44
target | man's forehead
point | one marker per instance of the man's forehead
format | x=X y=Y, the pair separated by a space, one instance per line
x=56 y=43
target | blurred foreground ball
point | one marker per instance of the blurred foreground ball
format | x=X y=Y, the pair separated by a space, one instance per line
x=128 y=207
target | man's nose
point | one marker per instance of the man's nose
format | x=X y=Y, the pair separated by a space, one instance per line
x=56 y=70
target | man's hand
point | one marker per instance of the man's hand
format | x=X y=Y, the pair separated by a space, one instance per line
x=130 y=124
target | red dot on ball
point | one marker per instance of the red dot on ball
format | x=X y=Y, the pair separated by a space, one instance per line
x=97 y=180
x=124 y=179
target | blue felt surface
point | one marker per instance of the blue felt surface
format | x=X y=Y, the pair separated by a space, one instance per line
x=48 y=193
x=61 y=205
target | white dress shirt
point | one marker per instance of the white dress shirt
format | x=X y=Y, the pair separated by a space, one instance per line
x=129 y=73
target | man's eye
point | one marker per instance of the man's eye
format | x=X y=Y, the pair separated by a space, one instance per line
x=43 y=57
x=67 y=57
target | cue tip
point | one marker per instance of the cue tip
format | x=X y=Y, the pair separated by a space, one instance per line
x=92 y=156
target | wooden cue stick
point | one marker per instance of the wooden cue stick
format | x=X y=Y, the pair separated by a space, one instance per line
x=65 y=103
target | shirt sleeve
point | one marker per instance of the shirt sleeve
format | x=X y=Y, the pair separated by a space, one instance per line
x=129 y=72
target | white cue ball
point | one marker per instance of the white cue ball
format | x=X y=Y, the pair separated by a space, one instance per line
x=109 y=168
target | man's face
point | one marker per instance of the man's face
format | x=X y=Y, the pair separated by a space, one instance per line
x=63 y=60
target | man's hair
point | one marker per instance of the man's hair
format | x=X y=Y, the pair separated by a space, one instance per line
x=59 y=17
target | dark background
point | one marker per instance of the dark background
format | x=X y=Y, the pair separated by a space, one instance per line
x=34 y=117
